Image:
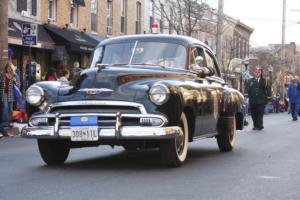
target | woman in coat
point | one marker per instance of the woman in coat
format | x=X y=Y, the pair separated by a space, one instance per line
x=8 y=78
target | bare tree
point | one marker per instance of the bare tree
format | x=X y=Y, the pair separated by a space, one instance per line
x=183 y=16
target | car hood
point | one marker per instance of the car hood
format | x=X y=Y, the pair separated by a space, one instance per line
x=118 y=83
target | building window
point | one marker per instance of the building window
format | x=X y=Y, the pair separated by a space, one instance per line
x=123 y=16
x=138 y=18
x=73 y=16
x=94 y=15
x=33 y=7
x=52 y=10
x=109 y=17
x=21 y=5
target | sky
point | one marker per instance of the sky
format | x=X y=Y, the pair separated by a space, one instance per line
x=265 y=16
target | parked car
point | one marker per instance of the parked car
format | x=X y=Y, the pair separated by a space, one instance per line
x=141 y=91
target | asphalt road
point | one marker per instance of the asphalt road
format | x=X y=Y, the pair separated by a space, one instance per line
x=264 y=165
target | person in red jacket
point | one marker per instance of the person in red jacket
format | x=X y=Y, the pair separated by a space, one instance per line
x=51 y=74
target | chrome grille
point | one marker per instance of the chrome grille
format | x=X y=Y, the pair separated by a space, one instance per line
x=107 y=112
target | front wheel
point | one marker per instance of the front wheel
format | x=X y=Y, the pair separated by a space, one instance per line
x=226 y=139
x=54 y=152
x=174 y=152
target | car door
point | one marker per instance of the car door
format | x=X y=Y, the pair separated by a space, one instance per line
x=204 y=100
x=216 y=89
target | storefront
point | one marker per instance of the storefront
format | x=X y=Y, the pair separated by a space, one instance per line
x=71 y=46
x=21 y=55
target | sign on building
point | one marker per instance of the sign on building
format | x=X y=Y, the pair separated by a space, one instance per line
x=29 y=34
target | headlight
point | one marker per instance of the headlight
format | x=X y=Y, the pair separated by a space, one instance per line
x=35 y=95
x=38 y=121
x=159 y=94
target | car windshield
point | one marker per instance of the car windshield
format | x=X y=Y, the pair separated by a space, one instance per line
x=145 y=53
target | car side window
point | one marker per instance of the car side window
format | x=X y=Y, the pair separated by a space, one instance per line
x=211 y=62
x=196 y=51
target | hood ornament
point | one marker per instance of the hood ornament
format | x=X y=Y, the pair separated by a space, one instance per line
x=94 y=91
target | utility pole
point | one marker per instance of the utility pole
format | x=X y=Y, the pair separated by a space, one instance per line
x=282 y=55
x=283 y=26
x=219 y=33
x=3 y=33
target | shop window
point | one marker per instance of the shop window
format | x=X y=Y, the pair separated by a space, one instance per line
x=21 y=5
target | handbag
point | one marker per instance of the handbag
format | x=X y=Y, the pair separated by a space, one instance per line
x=17 y=93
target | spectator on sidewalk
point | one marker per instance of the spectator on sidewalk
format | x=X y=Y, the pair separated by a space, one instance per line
x=8 y=79
x=276 y=103
x=64 y=78
x=75 y=73
x=51 y=74
x=294 y=97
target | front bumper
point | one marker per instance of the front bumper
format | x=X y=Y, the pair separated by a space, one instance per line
x=123 y=133
x=118 y=129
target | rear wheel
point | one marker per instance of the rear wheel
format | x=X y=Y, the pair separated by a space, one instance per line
x=174 y=152
x=226 y=140
x=54 y=152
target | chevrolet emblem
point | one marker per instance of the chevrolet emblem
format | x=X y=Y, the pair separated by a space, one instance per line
x=94 y=91
x=84 y=119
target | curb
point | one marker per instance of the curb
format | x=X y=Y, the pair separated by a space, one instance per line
x=16 y=128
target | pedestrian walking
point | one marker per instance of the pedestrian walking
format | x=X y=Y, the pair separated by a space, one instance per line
x=294 y=97
x=258 y=91
x=8 y=80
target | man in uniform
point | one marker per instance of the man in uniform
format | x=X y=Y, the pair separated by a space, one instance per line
x=259 y=92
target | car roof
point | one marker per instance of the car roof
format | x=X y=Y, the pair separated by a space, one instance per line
x=179 y=39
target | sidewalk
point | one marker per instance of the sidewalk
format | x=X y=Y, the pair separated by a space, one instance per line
x=15 y=130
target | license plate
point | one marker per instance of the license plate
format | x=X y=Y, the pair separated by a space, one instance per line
x=84 y=133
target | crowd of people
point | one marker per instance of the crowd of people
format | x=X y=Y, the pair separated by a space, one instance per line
x=10 y=82
x=260 y=101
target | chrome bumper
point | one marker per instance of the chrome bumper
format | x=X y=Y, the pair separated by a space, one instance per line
x=137 y=132
x=119 y=130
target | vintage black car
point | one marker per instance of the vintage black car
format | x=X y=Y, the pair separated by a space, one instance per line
x=140 y=91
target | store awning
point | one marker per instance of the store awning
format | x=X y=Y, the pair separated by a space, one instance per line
x=96 y=38
x=74 y=40
x=15 y=35
x=60 y=53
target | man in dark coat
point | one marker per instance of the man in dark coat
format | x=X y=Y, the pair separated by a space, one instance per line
x=258 y=90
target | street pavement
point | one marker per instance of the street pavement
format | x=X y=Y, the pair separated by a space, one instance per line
x=264 y=165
